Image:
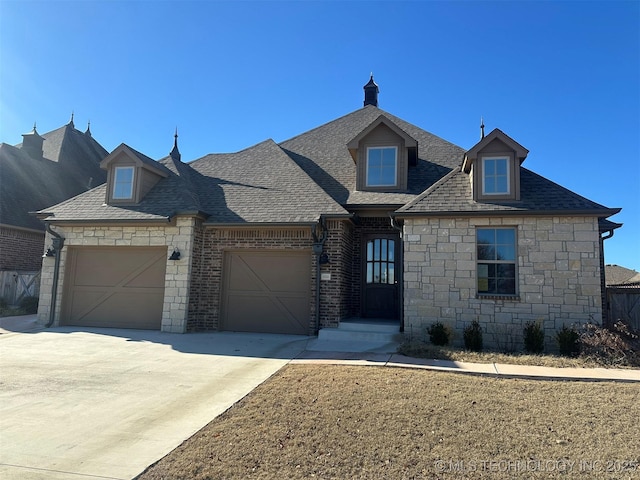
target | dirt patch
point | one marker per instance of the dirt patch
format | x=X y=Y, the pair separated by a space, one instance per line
x=336 y=422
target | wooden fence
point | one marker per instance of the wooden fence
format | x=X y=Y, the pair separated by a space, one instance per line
x=14 y=285
x=624 y=304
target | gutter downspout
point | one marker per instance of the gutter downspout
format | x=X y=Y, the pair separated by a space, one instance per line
x=318 y=245
x=603 y=280
x=58 y=243
x=398 y=227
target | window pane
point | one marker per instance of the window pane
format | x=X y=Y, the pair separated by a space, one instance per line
x=383 y=273
x=392 y=250
x=501 y=166
x=381 y=166
x=489 y=167
x=369 y=251
x=486 y=252
x=500 y=185
x=506 y=270
x=506 y=286
x=123 y=182
x=376 y=249
x=376 y=272
x=506 y=252
x=369 y=273
x=392 y=273
x=505 y=235
x=486 y=235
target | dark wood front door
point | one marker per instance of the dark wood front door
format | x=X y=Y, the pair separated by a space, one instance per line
x=381 y=275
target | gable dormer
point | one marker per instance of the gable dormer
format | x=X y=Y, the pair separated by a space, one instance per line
x=494 y=165
x=130 y=175
x=383 y=153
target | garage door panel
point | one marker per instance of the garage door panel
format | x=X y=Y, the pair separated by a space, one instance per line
x=119 y=287
x=267 y=291
x=276 y=273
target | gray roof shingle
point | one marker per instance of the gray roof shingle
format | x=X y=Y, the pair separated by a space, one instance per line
x=70 y=165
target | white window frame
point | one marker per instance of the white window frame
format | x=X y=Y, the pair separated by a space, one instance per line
x=484 y=175
x=395 y=167
x=117 y=183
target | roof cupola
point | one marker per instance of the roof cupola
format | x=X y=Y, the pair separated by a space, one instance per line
x=371 y=91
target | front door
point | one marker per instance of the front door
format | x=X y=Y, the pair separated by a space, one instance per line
x=381 y=276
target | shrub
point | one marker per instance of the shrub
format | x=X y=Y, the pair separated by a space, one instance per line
x=473 y=337
x=533 y=337
x=439 y=334
x=29 y=304
x=568 y=341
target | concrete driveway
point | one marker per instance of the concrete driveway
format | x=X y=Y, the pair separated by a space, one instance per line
x=106 y=403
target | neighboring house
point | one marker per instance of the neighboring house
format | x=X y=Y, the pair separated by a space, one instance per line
x=366 y=217
x=623 y=295
x=41 y=171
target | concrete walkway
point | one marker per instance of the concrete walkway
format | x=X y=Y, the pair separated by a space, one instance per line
x=497 y=369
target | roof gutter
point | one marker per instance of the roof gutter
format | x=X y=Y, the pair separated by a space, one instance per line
x=58 y=243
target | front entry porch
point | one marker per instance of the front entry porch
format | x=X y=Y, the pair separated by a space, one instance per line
x=359 y=335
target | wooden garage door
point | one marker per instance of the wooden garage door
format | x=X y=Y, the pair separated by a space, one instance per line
x=267 y=292
x=120 y=287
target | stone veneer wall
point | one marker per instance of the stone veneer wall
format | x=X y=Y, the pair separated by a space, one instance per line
x=558 y=277
x=21 y=249
x=177 y=275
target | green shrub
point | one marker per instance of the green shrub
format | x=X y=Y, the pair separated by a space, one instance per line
x=29 y=305
x=568 y=341
x=533 y=337
x=439 y=334
x=473 y=337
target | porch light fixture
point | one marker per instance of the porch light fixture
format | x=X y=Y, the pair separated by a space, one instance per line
x=324 y=259
x=175 y=255
x=51 y=252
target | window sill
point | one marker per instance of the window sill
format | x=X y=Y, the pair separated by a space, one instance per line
x=508 y=298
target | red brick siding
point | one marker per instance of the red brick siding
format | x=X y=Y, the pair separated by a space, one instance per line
x=21 y=250
x=209 y=248
x=335 y=294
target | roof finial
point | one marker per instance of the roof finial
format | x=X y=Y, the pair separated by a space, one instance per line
x=481 y=128
x=88 y=132
x=175 y=153
x=71 y=121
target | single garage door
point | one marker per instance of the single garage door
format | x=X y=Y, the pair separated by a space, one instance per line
x=121 y=287
x=267 y=292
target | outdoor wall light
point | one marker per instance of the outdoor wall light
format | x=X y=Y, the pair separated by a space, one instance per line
x=175 y=255
x=324 y=259
x=51 y=252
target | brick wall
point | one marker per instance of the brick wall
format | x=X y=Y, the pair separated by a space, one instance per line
x=204 y=308
x=177 y=275
x=558 y=277
x=21 y=250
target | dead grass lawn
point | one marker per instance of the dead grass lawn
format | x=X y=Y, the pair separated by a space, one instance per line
x=341 y=422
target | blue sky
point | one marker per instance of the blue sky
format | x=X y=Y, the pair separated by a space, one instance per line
x=561 y=78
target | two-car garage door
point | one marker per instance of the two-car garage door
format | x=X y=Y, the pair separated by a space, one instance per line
x=267 y=291
x=121 y=287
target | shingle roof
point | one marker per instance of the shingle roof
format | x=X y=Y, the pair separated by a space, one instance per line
x=314 y=174
x=323 y=154
x=537 y=195
x=259 y=184
x=617 y=275
x=70 y=165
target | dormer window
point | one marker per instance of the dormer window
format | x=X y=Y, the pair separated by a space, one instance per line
x=382 y=166
x=494 y=168
x=496 y=178
x=383 y=153
x=123 y=183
